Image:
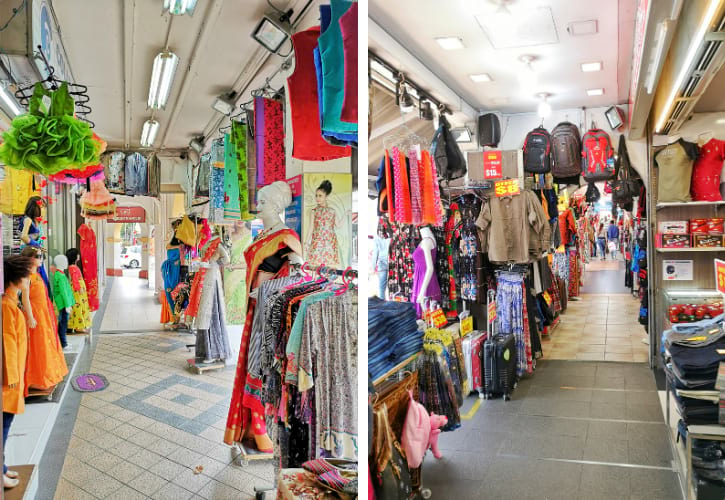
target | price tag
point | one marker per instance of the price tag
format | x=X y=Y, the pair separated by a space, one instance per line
x=509 y=187
x=720 y=275
x=466 y=325
x=491 y=311
x=492 y=166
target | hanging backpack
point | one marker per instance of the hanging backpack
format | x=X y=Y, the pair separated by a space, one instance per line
x=597 y=156
x=566 y=147
x=449 y=161
x=592 y=195
x=537 y=151
x=626 y=184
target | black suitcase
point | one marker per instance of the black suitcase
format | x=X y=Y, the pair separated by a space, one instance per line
x=499 y=366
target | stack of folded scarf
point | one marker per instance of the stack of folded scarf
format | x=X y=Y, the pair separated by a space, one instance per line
x=393 y=335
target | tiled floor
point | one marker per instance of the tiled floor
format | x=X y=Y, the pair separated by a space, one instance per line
x=132 y=306
x=573 y=430
x=600 y=326
x=144 y=435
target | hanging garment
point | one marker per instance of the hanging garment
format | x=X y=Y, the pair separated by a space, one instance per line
x=79 y=176
x=706 y=171
x=567 y=226
x=675 y=171
x=15 y=354
x=323 y=248
x=430 y=192
x=97 y=204
x=432 y=291
x=15 y=190
x=80 y=316
x=170 y=272
x=304 y=103
x=136 y=175
x=46 y=365
x=400 y=261
x=506 y=226
x=89 y=258
x=441 y=266
x=269 y=137
x=333 y=71
x=415 y=192
x=232 y=210
x=403 y=209
x=239 y=138
x=510 y=316
x=154 y=176
x=348 y=29
x=116 y=172
x=203 y=177
x=216 y=183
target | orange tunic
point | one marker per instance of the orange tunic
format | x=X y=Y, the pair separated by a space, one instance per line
x=15 y=352
x=46 y=364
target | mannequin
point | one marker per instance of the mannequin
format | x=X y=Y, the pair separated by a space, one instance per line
x=63 y=297
x=425 y=282
x=29 y=230
x=268 y=257
x=80 y=316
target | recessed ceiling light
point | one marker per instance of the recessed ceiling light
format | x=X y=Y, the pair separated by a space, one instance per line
x=482 y=77
x=593 y=92
x=450 y=42
x=581 y=28
x=720 y=121
x=591 y=66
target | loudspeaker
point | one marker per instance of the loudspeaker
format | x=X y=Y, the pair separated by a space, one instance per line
x=489 y=130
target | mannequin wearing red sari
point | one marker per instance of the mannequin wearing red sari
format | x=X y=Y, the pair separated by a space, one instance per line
x=268 y=257
x=89 y=257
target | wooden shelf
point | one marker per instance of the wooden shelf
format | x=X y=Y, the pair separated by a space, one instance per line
x=687 y=250
x=678 y=204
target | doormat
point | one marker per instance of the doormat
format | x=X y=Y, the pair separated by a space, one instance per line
x=70 y=359
x=89 y=382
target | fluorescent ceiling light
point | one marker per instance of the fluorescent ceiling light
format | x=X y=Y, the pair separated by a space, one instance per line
x=162 y=76
x=450 y=42
x=271 y=33
x=462 y=134
x=482 y=77
x=591 y=66
x=720 y=121
x=544 y=108
x=654 y=68
x=180 y=7
x=593 y=92
x=148 y=133
x=685 y=66
x=382 y=70
x=10 y=101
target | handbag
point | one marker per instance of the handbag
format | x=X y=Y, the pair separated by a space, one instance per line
x=592 y=195
x=449 y=161
x=392 y=479
x=625 y=186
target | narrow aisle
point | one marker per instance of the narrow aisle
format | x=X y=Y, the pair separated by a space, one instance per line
x=575 y=430
x=132 y=307
x=155 y=424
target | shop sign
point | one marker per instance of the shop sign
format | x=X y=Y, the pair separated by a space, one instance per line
x=47 y=35
x=720 y=275
x=466 y=325
x=640 y=30
x=129 y=214
x=491 y=311
x=293 y=213
x=492 y=165
x=508 y=187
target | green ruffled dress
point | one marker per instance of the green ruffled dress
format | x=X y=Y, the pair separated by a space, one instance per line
x=48 y=142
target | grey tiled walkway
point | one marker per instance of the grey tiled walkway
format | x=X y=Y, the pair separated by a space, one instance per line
x=575 y=430
x=144 y=435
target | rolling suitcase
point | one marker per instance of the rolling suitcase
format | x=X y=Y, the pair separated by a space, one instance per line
x=499 y=364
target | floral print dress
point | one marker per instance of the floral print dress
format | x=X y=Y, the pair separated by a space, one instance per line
x=80 y=316
x=323 y=246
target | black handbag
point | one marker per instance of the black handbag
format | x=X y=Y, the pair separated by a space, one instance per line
x=592 y=195
x=626 y=185
x=449 y=161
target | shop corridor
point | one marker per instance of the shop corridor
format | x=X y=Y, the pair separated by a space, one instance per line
x=574 y=430
x=132 y=307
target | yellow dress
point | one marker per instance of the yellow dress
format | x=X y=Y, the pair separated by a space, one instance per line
x=80 y=316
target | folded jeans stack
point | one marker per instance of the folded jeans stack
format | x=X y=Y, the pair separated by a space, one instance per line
x=393 y=335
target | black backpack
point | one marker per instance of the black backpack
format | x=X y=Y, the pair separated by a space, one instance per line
x=537 y=151
x=449 y=161
x=566 y=150
x=592 y=195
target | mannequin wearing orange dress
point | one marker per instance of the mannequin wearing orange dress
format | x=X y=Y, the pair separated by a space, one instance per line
x=16 y=271
x=46 y=365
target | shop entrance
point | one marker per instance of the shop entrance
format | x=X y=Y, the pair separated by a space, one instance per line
x=129 y=255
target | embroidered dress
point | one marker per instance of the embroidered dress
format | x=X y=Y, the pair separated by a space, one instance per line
x=239 y=138
x=80 y=316
x=323 y=249
x=216 y=183
x=232 y=209
x=400 y=260
x=89 y=258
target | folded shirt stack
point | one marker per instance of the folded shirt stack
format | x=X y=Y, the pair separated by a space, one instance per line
x=393 y=335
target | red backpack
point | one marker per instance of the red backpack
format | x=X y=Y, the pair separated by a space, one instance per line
x=597 y=156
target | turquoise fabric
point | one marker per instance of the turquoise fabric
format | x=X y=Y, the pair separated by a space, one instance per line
x=333 y=72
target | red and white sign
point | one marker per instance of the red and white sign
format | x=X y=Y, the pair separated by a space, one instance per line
x=129 y=214
x=492 y=166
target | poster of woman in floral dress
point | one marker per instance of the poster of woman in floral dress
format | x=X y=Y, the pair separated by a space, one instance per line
x=328 y=219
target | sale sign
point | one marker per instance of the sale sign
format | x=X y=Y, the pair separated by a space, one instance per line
x=508 y=187
x=492 y=167
x=720 y=275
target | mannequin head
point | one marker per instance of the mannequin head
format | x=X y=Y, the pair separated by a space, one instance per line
x=322 y=192
x=33 y=253
x=61 y=262
x=271 y=202
x=72 y=254
x=16 y=271
x=33 y=208
x=425 y=232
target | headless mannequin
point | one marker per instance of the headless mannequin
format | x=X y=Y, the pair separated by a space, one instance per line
x=427 y=244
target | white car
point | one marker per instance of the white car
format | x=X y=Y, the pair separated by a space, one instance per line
x=131 y=257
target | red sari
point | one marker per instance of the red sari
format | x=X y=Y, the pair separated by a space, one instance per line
x=89 y=256
x=196 y=286
x=246 y=396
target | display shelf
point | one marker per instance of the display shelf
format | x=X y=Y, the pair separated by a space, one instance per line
x=685 y=250
x=667 y=204
x=396 y=368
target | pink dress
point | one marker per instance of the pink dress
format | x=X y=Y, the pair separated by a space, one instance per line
x=323 y=247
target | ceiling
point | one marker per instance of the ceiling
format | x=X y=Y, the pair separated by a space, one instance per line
x=713 y=99
x=539 y=25
x=111 y=45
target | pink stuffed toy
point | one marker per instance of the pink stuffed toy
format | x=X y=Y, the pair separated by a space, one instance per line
x=436 y=422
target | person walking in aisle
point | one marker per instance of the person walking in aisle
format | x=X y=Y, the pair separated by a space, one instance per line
x=602 y=241
x=613 y=237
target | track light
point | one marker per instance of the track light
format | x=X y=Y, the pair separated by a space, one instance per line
x=148 y=133
x=225 y=103
x=271 y=32
x=197 y=144
x=425 y=112
x=180 y=7
x=162 y=76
